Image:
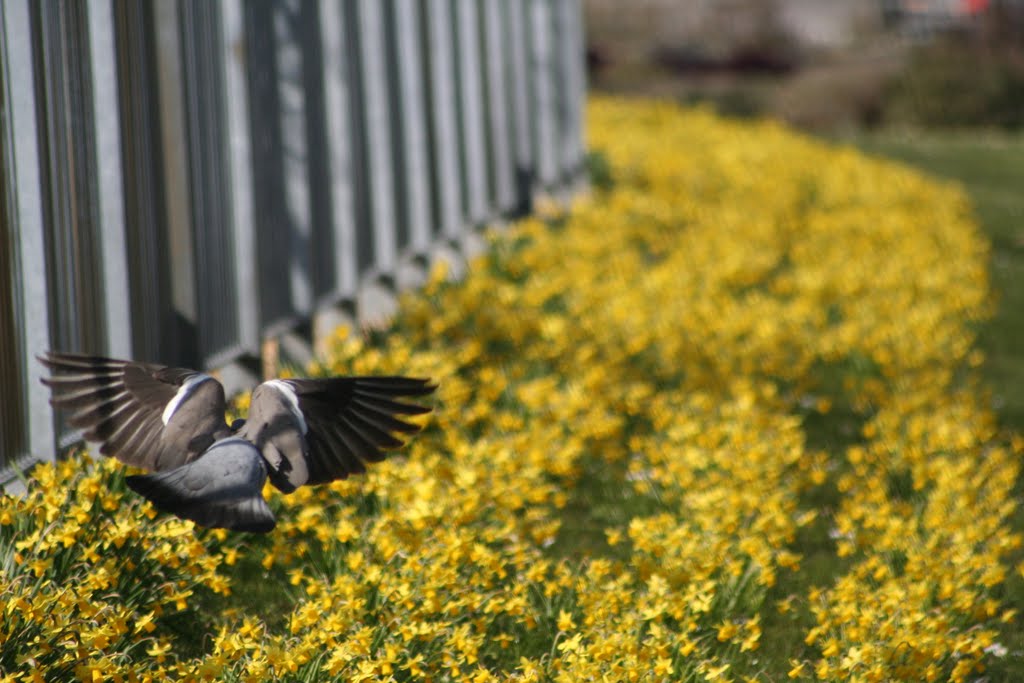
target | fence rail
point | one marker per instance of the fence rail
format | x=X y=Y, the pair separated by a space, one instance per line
x=184 y=179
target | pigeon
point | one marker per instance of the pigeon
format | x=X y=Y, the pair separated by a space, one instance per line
x=170 y=421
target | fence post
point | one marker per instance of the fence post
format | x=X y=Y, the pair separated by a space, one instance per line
x=415 y=169
x=499 y=57
x=177 y=197
x=474 y=161
x=338 y=229
x=541 y=75
x=377 y=130
x=337 y=131
x=239 y=169
x=109 y=181
x=289 y=41
x=443 y=98
x=23 y=178
x=523 y=122
x=573 y=76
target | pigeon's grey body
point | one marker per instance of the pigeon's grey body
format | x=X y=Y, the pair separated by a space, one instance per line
x=171 y=421
x=222 y=488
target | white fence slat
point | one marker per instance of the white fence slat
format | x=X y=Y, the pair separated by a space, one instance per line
x=498 y=56
x=239 y=162
x=177 y=197
x=378 y=133
x=288 y=40
x=109 y=182
x=542 y=77
x=516 y=15
x=471 y=99
x=25 y=191
x=572 y=74
x=337 y=91
x=445 y=118
x=413 y=123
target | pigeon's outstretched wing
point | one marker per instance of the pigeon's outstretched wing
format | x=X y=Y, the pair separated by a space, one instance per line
x=222 y=489
x=312 y=431
x=146 y=415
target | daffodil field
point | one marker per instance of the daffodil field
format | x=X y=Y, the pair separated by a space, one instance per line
x=631 y=444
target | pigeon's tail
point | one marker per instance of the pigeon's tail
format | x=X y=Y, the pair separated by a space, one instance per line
x=241 y=511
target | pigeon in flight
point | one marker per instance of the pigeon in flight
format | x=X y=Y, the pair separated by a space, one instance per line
x=170 y=421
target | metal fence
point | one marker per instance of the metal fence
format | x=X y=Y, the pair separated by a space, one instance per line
x=183 y=179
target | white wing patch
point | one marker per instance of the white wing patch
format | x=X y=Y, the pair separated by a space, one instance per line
x=183 y=392
x=293 y=400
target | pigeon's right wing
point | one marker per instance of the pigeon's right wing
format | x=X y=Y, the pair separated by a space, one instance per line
x=351 y=421
x=312 y=431
x=146 y=415
x=223 y=489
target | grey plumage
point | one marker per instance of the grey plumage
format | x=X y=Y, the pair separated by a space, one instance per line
x=171 y=421
x=221 y=488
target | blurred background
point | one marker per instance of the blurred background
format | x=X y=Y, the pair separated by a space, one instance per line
x=819 y=64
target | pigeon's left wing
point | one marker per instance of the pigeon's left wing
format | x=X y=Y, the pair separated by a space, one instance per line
x=146 y=415
x=312 y=431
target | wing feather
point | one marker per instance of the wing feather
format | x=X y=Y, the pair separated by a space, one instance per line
x=388 y=406
x=359 y=445
x=340 y=424
x=382 y=420
x=373 y=440
x=336 y=456
x=121 y=405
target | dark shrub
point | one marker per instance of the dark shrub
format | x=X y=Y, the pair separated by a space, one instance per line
x=970 y=78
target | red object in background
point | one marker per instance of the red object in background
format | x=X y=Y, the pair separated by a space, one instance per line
x=975 y=6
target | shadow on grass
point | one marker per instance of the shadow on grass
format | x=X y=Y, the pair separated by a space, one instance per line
x=601 y=499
